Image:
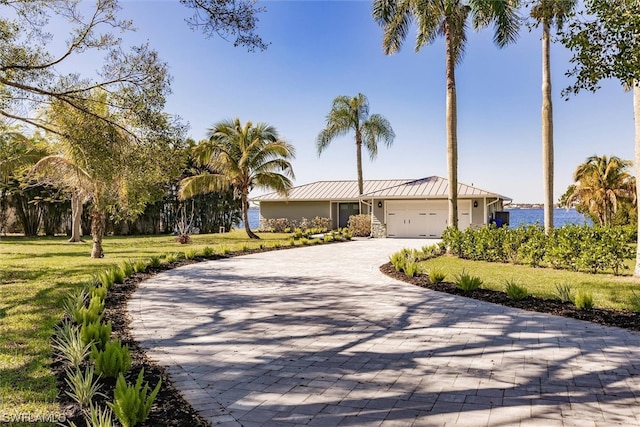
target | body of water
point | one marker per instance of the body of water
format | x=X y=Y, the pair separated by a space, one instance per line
x=516 y=217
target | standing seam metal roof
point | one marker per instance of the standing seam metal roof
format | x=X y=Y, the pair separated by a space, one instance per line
x=430 y=187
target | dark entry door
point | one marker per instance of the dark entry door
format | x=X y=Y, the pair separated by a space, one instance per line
x=345 y=211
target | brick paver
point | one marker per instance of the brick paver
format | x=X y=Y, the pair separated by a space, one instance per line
x=318 y=336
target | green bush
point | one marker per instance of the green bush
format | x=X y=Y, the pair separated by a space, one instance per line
x=564 y=292
x=155 y=261
x=74 y=302
x=68 y=342
x=139 y=266
x=467 y=282
x=118 y=274
x=126 y=267
x=411 y=267
x=436 y=275
x=132 y=403
x=207 y=251
x=96 y=333
x=514 y=291
x=190 y=254
x=170 y=258
x=584 y=300
x=106 y=279
x=114 y=359
x=98 y=291
x=83 y=386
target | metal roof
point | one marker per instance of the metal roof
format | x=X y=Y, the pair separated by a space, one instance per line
x=431 y=187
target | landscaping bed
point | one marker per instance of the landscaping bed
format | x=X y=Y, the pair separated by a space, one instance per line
x=609 y=317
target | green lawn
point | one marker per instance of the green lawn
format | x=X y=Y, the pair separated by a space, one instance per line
x=607 y=290
x=35 y=276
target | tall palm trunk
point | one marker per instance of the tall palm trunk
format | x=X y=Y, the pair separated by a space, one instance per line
x=636 y=116
x=98 y=220
x=245 y=216
x=76 y=218
x=452 y=127
x=547 y=129
x=359 y=161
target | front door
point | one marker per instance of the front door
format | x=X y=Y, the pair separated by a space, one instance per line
x=345 y=210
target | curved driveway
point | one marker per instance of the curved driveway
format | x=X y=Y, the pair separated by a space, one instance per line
x=318 y=336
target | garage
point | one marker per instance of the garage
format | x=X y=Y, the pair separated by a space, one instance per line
x=422 y=218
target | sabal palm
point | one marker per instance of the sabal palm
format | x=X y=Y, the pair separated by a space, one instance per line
x=602 y=183
x=549 y=13
x=352 y=114
x=446 y=18
x=241 y=157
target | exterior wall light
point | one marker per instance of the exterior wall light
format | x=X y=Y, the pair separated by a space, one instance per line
x=379 y=204
x=475 y=203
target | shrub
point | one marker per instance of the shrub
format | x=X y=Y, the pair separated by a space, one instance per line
x=171 y=258
x=411 y=267
x=117 y=274
x=225 y=250
x=584 y=300
x=114 y=359
x=105 y=278
x=155 y=261
x=68 y=342
x=126 y=267
x=139 y=266
x=467 y=282
x=98 y=417
x=321 y=223
x=304 y=241
x=360 y=225
x=398 y=260
x=276 y=225
x=292 y=241
x=190 y=254
x=515 y=291
x=564 y=292
x=132 y=403
x=74 y=302
x=245 y=247
x=328 y=238
x=96 y=333
x=183 y=239
x=98 y=291
x=83 y=386
x=207 y=251
x=90 y=313
x=436 y=275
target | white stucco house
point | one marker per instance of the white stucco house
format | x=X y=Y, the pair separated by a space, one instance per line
x=398 y=207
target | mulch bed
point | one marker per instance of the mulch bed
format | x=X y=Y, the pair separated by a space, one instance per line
x=609 y=317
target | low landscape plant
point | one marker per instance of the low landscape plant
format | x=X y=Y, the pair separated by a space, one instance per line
x=183 y=238
x=564 y=292
x=635 y=301
x=97 y=417
x=74 y=301
x=126 y=267
x=69 y=344
x=155 y=261
x=83 y=386
x=398 y=261
x=411 y=267
x=207 y=251
x=190 y=254
x=466 y=282
x=170 y=258
x=118 y=274
x=139 y=266
x=114 y=359
x=436 y=275
x=97 y=333
x=99 y=291
x=105 y=278
x=583 y=300
x=132 y=403
x=515 y=291
x=360 y=225
x=90 y=313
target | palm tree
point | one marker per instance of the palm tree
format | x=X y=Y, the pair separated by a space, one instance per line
x=241 y=157
x=353 y=114
x=549 y=13
x=447 y=18
x=602 y=184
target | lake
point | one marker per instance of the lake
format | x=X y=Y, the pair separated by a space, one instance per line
x=516 y=217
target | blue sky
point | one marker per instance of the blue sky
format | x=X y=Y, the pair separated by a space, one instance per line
x=322 y=49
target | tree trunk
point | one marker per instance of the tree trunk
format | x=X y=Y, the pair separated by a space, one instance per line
x=359 y=161
x=636 y=116
x=98 y=220
x=245 y=216
x=452 y=127
x=76 y=218
x=547 y=129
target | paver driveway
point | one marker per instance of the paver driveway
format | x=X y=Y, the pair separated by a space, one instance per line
x=318 y=336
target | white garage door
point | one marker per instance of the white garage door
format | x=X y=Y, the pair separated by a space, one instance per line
x=423 y=218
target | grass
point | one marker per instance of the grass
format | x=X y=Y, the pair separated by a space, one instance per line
x=608 y=291
x=36 y=276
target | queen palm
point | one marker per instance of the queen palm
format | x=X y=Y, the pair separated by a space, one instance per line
x=548 y=13
x=447 y=18
x=241 y=157
x=352 y=114
x=602 y=184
